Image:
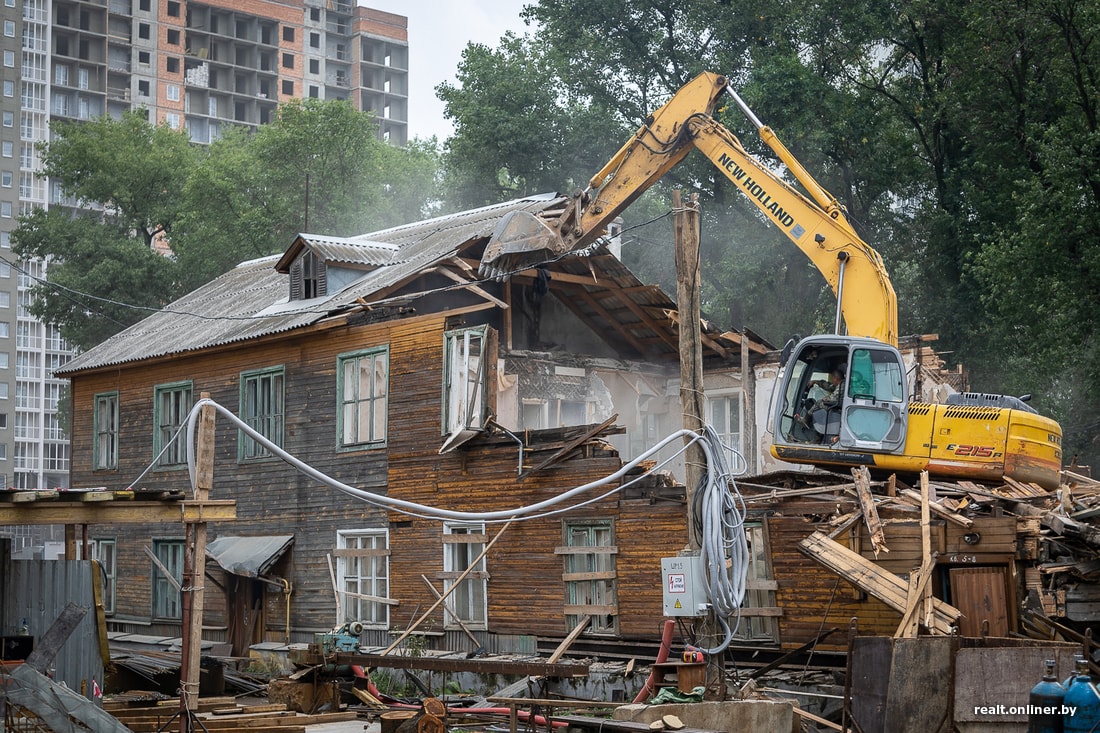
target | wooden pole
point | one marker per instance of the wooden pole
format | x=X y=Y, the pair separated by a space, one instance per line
x=685 y=218
x=195 y=570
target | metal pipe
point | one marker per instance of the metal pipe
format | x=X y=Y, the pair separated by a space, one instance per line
x=843 y=257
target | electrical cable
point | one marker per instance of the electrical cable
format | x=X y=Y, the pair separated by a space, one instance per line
x=719 y=507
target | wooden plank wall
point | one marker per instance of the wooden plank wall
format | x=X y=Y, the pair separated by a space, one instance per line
x=526 y=591
x=271 y=497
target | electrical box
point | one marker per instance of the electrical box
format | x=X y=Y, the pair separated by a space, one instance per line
x=685 y=592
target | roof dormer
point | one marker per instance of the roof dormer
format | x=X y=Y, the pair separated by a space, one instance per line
x=318 y=266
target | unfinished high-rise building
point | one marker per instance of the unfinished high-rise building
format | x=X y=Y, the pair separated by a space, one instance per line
x=194 y=66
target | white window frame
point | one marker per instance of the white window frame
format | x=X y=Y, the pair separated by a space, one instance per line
x=725 y=412
x=465 y=380
x=362 y=574
x=463 y=543
x=362 y=391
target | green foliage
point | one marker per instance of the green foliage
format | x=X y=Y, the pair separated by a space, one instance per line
x=519 y=130
x=963 y=139
x=101 y=277
x=244 y=196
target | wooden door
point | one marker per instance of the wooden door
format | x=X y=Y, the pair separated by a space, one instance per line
x=979 y=592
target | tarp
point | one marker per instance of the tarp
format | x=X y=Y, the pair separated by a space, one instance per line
x=251 y=557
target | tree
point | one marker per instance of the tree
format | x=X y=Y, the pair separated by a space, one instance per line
x=519 y=130
x=101 y=277
x=318 y=167
x=133 y=169
x=245 y=196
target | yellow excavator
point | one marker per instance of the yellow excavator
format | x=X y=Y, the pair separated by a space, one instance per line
x=843 y=399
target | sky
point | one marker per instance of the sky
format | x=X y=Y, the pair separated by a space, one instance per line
x=438 y=32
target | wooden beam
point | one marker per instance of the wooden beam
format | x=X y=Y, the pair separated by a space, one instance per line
x=571 y=446
x=195 y=568
x=114 y=512
x=879 y=582
x=473 y=564
x=870 y=513
x=582 y=624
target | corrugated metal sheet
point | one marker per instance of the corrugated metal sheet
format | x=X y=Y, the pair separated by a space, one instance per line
x=243 y=303
x=38 y=591
x=251 y=557
x=352 y=251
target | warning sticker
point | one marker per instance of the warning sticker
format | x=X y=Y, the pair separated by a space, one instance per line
x=677 y=583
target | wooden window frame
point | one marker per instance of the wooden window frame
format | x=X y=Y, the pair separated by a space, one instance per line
x=351 y=579
x=592 y=582
x=462 y=543
x=165 y=426
x=264 y=411
x=351 y=400
x=105 y=447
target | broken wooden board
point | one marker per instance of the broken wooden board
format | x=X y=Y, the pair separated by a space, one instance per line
x=866 y=575
x=870 y=514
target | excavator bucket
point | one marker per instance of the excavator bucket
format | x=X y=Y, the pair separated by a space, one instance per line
x=520 y=240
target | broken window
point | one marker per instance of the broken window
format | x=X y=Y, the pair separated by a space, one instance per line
x=363 y=388
x=590 y=577
x=362 y=566
x=171 y=404
x=462 y=545
x=465 y=385
x=553 y=413
x=166 y=593
x=262 y=407
x=106 y=431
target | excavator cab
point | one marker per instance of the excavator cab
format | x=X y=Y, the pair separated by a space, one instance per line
x=840 y=393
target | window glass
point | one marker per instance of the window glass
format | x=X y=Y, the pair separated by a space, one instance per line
x=364 y=394
x=262 y=408
x=172 y=402
x=362 y=571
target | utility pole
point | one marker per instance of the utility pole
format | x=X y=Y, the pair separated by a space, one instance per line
x=685 y=227
x=193 y=593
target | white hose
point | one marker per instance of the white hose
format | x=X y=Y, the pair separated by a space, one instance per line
x=719 y=508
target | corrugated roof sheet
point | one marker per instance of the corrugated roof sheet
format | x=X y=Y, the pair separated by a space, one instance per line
x=250 y=300
x=251 y=557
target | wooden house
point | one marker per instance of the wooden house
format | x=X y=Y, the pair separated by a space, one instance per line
x=383 y=363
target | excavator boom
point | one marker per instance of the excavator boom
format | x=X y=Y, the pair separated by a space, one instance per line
x=874 y=423
x=818 y=227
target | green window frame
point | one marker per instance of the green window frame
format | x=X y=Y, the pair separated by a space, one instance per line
x=263 y=408
x=167 y=601
x=105 y=552
x=362 y=393
x=590 y=576
x=106 y=431
x=171 y=404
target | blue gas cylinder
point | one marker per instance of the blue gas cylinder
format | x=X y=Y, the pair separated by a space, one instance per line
x=1082 y=706
x=1047 y=697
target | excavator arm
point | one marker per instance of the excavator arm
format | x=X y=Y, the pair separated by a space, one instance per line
x=817 y=225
